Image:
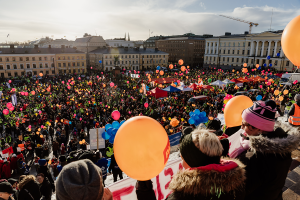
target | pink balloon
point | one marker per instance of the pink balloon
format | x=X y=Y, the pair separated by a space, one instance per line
x=26 y=93
x=40 y=112
x=146 y=105
x=11 y=108
x=5 y=112
x=21 y=109
x=9 y=105
x=69 y=80
x=127 y=82
x=80 y=118
x=9 y=81
x=115 y=115
x=111 y=84
x=97 y=76
x=138 y=72
x=22 y=93
x=32 y=92
x=79 y=78
x=91 y=67
x=63 y=82
x=69 y=87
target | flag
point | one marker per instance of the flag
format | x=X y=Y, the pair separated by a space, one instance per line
x=49 y=88
x=8 y=150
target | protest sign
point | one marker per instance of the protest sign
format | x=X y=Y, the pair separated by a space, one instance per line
x=94 y=138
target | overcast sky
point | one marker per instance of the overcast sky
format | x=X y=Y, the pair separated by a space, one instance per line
x=30 y=19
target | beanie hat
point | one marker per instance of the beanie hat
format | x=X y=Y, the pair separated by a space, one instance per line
x=201 y=148
x=261 y=115
x=6 y=187
x=80 y=180
x=42 y=162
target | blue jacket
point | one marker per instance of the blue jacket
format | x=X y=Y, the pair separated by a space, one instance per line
x=102 y=163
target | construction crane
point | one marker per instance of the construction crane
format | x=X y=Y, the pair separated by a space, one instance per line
x=240 y=20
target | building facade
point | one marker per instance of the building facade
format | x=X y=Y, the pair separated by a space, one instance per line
x=190 y=50
x=33 y=61
x=127 y=58
x=232 y=51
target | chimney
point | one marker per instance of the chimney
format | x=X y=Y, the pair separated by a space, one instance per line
x=12 y=46
x=62 y=46
x=36 y=46
x=246 y=32
x=227 y=33
x=49 y=46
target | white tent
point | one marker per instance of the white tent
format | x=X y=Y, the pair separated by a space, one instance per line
x=219 y=83
x=185 y=88
x=228 y=81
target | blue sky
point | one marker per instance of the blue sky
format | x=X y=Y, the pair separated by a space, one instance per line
x=31 y=19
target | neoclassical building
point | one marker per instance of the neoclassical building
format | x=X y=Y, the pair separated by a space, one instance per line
x=233 y=50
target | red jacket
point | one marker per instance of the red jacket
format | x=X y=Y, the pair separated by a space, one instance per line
x=6 y=170
x=13 y=163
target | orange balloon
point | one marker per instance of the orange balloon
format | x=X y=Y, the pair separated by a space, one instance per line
x=234 y=108
x=141 y=148
x=276 y=92
x=290 y=40
x=245 y=64
x=180 y=62
x=183 y=68
x=285 y=92
x=171 y=66
x=161 y=72
x=281 y=98
x=257 y=65
x=188 y=67
x=41 y=74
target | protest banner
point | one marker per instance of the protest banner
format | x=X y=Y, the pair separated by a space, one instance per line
x=125 y=189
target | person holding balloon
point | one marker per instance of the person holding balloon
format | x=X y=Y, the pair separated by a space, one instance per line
x=265 y=149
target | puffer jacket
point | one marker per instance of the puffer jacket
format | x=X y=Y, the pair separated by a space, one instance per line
x=268 y=161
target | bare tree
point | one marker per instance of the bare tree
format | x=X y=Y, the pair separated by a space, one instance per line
x=87 y=35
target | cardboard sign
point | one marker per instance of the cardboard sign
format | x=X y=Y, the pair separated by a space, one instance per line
x=93 y=138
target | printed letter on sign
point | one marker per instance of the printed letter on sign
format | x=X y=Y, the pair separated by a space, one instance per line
x=122 y=192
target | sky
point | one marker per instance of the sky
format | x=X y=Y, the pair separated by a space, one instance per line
x=31 y=19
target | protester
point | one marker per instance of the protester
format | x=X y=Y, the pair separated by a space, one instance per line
x=102 y=164
x=29 y=188
x=265 y=149
x=6 y=190
x=45 y=186
x=294 y=113
x=115 y=169
x=80 y=180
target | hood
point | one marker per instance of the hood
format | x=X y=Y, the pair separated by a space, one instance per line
x=283 y=140
x=26 y=180
x=196 y=181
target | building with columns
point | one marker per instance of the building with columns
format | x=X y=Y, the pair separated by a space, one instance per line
x=233 y=50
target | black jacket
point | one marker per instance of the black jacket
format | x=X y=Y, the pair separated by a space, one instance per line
x=113 y=164
x=45 y=189
x=29 y=189
x=46 y=172
x=268 y=161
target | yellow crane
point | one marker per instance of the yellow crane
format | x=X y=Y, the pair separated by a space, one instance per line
x=240 y=20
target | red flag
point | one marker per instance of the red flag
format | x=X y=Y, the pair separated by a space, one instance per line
x=8 y=150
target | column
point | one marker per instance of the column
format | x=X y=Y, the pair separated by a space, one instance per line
x=281 y=51
x=217 y=48
x=262 y=50
x=257 y=44
x=209 y=48
x=275 y=49
x=269 y=48
x=252 y=48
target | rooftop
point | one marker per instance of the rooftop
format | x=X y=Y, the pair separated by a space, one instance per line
x=126 y=50
x=38 y=50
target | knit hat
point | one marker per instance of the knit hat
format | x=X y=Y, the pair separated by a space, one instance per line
x=80 y=180
x=261 y=115
x=42 y=162
x=201 y=148
x=6 y=187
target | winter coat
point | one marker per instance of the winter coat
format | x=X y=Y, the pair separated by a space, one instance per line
x=29 y=189
x=45 y=189
x=113 y=165
x=55 y=146
x=6 y=170
x=210 y=183
x=46 y=172
x=268 y=161
x=13 y=163
x=292 y=110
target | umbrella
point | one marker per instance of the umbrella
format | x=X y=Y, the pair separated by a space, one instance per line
x=171 y=89
x=218 y=83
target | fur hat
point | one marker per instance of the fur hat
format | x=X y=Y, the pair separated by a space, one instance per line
x=80 y=180
x=201 y=148
x=261 y=115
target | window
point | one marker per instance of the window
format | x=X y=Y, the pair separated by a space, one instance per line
x=64 y=65
x=232 y=51
x=46 y=65
x=70 y=71
x=234 y=44
x=27 y=58
x=0 y=59
x=129 y=56
x=223 y=59
x=33 y=58
x=16 y=73
x=22 y=73
x=59 y=64
x=248 y=52
x=126 y=62
x=229 y=44
x=77 y=57
x=34 y=65
x=68 y=57
x=242 y=60
x=69 y=64
x=227 y=59
x=40 y=58
x=28 y=66
x=237 y=60
x=53 y=72
x=82 y=64
x=15 y=66
x=45 y=58
x=82 y=58
x=65 y=71
x=232 y=60
x=246 y=60
x=287 y=63
x=228 y=51
x=126 y=56
x=110 y=62
x=224 y=51
x=2 y=75
x=21 y=59
x=78 y=64
x=7 y=59
x=129 y=62
x=9 y=74
x=74 y=70
x=243 y=44
x=251 y=61
x=47 y=72
x=243 y=52
x=214 y=58
x=239 y=44
x=1 y=66
x=249 y=44
x=58 y=58
x=7 y=66
x=79 y=70
x=41 y=65
x=238 y=51
x=73 y=64
x=73 y=57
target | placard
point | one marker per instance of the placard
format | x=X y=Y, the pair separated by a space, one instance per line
x=93 y=138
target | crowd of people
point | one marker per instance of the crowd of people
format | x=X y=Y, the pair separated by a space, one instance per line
x=46 y=123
